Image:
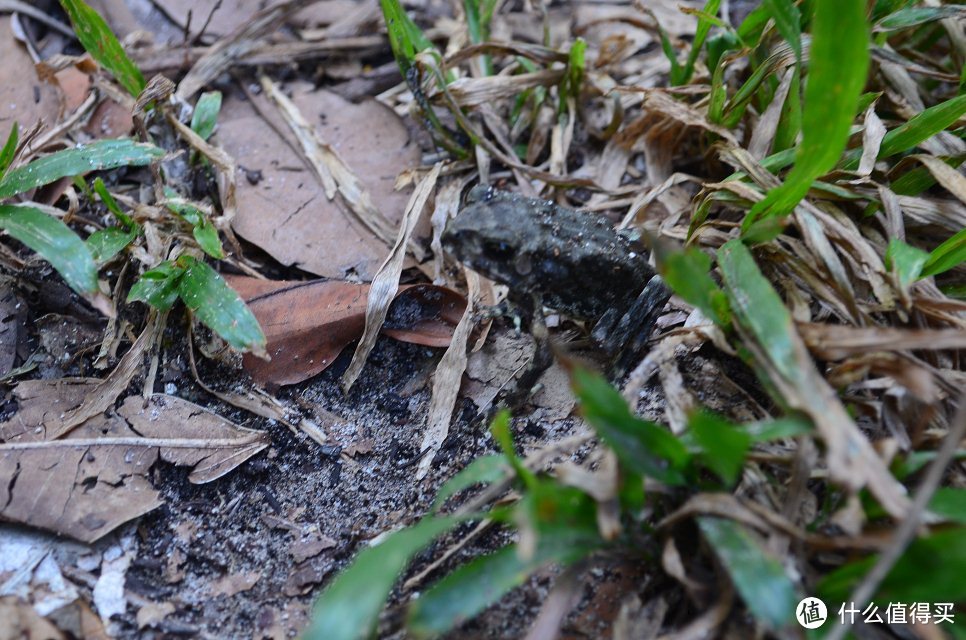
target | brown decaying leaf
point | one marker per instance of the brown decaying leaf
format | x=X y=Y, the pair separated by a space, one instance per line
x=834 y=342
x=286 y=211
x=307 y=324
x=95 y=479
x=24 y=98
x=232 y=583
x=19 y=620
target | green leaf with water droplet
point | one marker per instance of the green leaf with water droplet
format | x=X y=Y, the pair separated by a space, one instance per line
x=103 y=154
x=55 y=242
x=158 y=287
x=219 y=307
x=107 y=243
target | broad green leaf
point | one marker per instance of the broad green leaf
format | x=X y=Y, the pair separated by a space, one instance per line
x=758 y=577
x=107 y=243
x=946 y=256
x=724 y=447
x=930 y=570
x=839 y=60
x=205 y=117
x=55 y=242
x=756 y=306
x=99 y=41
x=207 y=238
x=641 y=445
x=912 y=16
x=471 y=588
x=349 y=607
x=158 y=287
x=906 y=260
x=102 y=154
x=788 y=22
x=950 y=503
x=101 y=189
x=218 y=306
x=688 y=274
x=9 y=149
x=483 y=470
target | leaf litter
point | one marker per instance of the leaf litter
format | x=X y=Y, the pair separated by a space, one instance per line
x=869 y=350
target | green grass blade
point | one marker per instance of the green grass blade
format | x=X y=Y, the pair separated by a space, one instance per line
x=218 y=306
x=206 y=235
x=913 y=16
x=641 y=446
x=205 y=117
x=99 y=41
x=758 y=577
x=700 y=35
x=9 y=149
x=103 y=154
x=483 y=470
x=922 y=126
x=349 y=607
x=946 y=256
x=788 y=21
x=838 y=64
x=55 y=242
x=101 y=189
x=757 y=307
x=470 y=589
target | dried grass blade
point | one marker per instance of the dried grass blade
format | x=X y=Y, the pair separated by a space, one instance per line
x=386 y=282
x=446 y=382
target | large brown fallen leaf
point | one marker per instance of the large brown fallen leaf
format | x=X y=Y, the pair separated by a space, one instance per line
x=95 y=479
x=307 y=324
x=282 y=206
x=24 y=98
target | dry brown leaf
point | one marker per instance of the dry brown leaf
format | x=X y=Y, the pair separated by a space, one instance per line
x=19 y=620
x=232 y=583
x=309 y=545
x=871 y=141
x=89 y=483
x=152 y=613
x=307 y=324
x=282 y=206
x=950 y=178
x=385 y=284
x=24 y=98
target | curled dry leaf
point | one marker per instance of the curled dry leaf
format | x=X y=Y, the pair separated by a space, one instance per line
x=95 y=479
x=307 y=324
x=282 y=206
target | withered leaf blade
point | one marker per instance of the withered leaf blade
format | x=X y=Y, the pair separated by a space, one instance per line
x=87 y=484
x=307 y=324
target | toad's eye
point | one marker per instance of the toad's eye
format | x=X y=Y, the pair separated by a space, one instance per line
x=499 y=249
